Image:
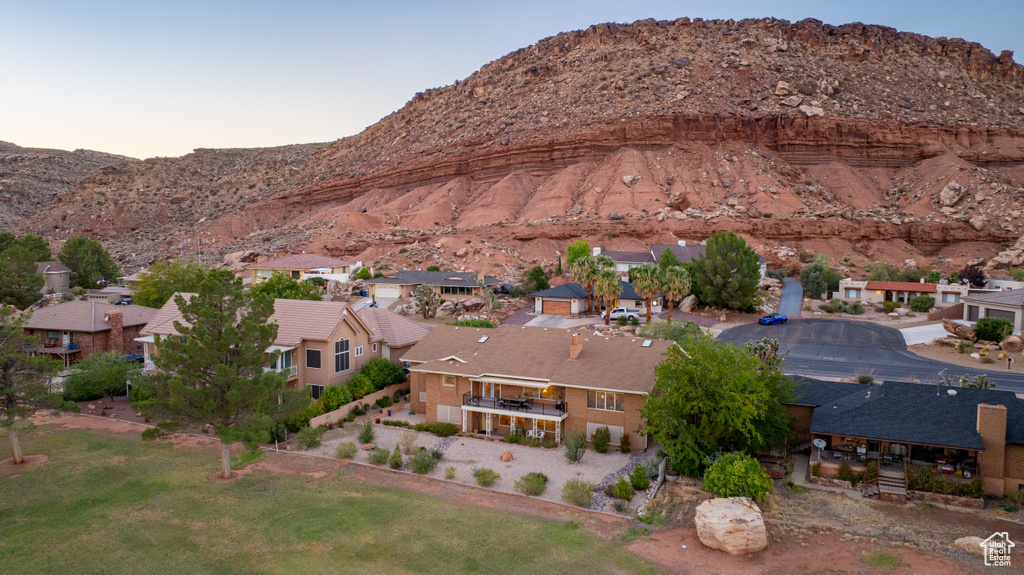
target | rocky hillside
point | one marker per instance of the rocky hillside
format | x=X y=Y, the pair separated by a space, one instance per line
x=859 y=141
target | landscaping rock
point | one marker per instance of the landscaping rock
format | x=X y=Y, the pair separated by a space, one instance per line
x=473 y=304
x=1012 y=344
x=959 y=330
x=367 y=447
x=732 y=524
x=447 y=307
x=506 y=457
x=688 y=303
x=969 y=545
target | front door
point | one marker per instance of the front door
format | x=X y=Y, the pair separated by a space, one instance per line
x=65 y=339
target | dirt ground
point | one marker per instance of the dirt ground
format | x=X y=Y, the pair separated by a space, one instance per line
x=119 y=408
x=814 y=532
x=951 y=355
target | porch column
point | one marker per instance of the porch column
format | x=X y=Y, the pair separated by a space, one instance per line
x=535 y=427
x=465 y=418
x=487 y=423
x=558 y=432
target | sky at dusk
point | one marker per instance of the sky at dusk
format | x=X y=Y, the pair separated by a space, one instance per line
x=150 y=79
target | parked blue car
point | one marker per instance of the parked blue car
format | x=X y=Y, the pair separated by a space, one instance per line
x=773 y=319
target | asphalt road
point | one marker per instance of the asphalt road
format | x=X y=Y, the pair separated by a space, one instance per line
x=843 y=348
x=792 y=298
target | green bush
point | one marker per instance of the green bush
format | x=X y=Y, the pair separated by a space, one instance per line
x=578 y=492
x=399 y=394
x=379 y=456
x=624 y=443
x=422 y=462
x=921 y=479
x=532 y=483
x=922 y=303
x=515 y=438
x=621 y=490
x=314 y=409
x=310 y=436
x=965 y=347
x=549 y=443
x=346 y=450
x=575 y=446
x=816 y=470
x=98 y=375
x=484 y=323
x=449 y=472
x=395 y=423
x=865 y=378
x=855 y=309
x=846 y=474
x=366 y=433
x=384 y=402
x=382 y=373
x=622 y=320
x=600 y=439
x=736 y=474
x=634 y=321
x=639 y=478
x=486 y=477
x=890 y=306
x=993 y=329
x=442 y=429
x=335 y=396
x=152 y=433
x=395 y=461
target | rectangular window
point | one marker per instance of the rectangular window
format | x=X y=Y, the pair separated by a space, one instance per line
x=950 y=297
x=606 y=401
x=52 y=335
x=448 y=380
x=545 y=425
x=313 y=358
x=341 y=356
x=315 y=391
x=264 y=274
x=449 y=414
x=295 y=274
x=455 y=290
x=852 y=293
x=286 y=359
x=539 y=393
x=504 y=420
x=359 y=351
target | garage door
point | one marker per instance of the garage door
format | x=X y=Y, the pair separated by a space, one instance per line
x=557 y=307
x=972 y=313
x=1000 y=313
x=388 y=291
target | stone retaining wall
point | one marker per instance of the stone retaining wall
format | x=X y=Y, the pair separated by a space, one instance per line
x=830 y=482
x=955 y=500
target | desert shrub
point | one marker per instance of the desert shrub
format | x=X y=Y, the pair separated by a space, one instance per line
x=406 y=441
x=395 y=423
x=395 y=460
x=845 y=471
x=922 y=303
x=437 y=454
x=515 y=438
x=278 y=432
x=548 y=443
x=736 y=474
x=486 y=477
x=835 y=305
x=622 y=320
x=600 y=439
x=624 y=443
x=422 y=462
x=314 y=409
x=443 y=429
x=865 y=378
x=474 y=323
x=965 y=347
x=421 y=427
x=987 y=359
x=575 y=446
x=310 y=436
x=532 y=483
x=816 y=470
x=399 y=394
x=152 y=433
x=379 y=456
x=366 y=433
x=346 y=450
x=652 y=465
x=890 y=306
x=634 y=321
x=621 y=490
x=334 y=396
x=384 y=402
x=359 y=409
x=639 y=478
x=578 y=492
x=449 y=472
x=855 y=309
x=993 y=329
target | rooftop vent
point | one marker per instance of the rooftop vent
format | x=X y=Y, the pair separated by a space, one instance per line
x=647 y=343
x=951 y=392
x=483 y=339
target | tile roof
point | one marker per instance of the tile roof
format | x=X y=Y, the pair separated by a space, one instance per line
x=86 y=316
x=135 y=276
x=902 y=286
x=297 y=320
x=394 y=329
x=628 y=257
x=1008 y=297
x=917 y=413
x=300 y=262
x=614 y=363
x=453 y=279
x=51 y=267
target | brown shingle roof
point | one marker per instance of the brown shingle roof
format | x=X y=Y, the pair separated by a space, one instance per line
x=300 y=262
x=51 y=267
x=615 y=363
x=395 y=330
x=1007 y=297
x=86 y=316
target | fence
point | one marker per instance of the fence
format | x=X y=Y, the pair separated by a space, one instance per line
x=951 y=312
x=342 y=412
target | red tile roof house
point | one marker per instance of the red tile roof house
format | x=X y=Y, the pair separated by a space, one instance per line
x=545 y=383
x=876 y=292
x=72 y=330
x=321 y=343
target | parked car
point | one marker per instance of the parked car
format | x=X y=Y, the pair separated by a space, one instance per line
x=627 y=313
x=773 y=319
x=124 y=301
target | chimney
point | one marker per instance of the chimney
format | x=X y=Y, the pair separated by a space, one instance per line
x=575 y=345
x=682 y=243
x=992 y=462
x=597 y=251
x=115 y=341
x=922 y=280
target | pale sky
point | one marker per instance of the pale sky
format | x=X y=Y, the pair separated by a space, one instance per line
x=150 y=79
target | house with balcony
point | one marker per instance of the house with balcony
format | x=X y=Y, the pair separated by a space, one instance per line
x=448 y=285
x=540 y=382
x=69 y=331
x=870 y=292
x=305 y=266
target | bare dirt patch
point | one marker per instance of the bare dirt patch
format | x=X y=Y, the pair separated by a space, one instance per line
x=951 y=355
x=30 y=461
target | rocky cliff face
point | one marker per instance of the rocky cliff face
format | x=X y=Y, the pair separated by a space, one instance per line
x=891 y=144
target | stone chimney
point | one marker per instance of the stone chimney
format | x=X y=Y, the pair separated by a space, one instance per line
x=682 y=243
x=596 y=251
x=992 y=463
x=115 y=340
x=575 y=345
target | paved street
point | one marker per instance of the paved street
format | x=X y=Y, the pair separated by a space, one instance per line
x=841 y=348
x=792 y=298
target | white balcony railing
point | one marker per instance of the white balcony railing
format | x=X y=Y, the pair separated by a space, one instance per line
x=293 y=371
x=149 y=366
x=289 y=372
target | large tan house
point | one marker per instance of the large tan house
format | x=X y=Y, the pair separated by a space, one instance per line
x=321 y=343
x=448 y=285
x=56 y=276
x=71 y=330
x=540 y=382
x=876 y=292
x=304 y=266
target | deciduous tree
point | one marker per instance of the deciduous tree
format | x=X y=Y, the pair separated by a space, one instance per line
x=90 y=264
x=975 y=275
x=165 y=279
x=728 y=274
x=576 y=250
x=283 y=286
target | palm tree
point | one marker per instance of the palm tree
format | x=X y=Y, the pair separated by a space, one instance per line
x=677 y=286
x=584 y=270
x=647 y=281
x=607 y=287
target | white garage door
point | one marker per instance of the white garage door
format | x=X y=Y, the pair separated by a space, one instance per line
x=387 y=291
x=449 y=414
x=615 y=429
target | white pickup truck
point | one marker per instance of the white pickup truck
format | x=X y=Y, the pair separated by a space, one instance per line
x=627 y=313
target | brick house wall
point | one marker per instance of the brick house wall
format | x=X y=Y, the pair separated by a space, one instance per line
x=802 y=415
x=992 y=464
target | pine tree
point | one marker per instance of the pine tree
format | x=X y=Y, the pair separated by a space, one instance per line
x=728 y=274
x=19 y=282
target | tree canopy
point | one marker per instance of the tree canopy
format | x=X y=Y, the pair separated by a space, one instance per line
x=575 y=251
x=36 y=245
x=607 y=288
x=282 y=286
x=677 y=284
x=164 y=279
x=677 y=331
x=737 y=475
x=648 y=281
x=709 y=396
x=975 y=275
x=728 y=274
x=537 y=279
x=97 y=375
x=19 y=281
x=90 y=264
x=667 y=259
x=213 y=373
x=817 y=278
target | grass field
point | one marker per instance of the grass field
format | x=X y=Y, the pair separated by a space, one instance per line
x=110 y=503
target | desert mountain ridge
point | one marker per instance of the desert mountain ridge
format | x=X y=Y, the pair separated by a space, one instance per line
x=858 y=141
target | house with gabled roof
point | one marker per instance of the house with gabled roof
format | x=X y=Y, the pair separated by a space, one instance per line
x=448 y=285
x=398 y=333
x=69 y=331
x=304 y=266
x=684 y=252
x=571 y=299
x=540 y=382
x=56 y=277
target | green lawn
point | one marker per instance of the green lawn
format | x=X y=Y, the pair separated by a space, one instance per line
x=110 y=503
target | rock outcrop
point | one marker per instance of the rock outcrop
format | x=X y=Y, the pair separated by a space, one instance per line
x=733 y=524
x=959 y=330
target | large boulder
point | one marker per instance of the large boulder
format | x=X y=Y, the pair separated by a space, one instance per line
x=731 y=524
x=969 y=545
x=688 y=303
x=959 y=330
x=473 y=304
x=1012 y=344
x=951 y=194
x=447 y=307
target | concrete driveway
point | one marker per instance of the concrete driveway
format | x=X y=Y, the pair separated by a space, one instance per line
x=561 y=321
x=835 y=348
x=792 y=298
x=923 y=333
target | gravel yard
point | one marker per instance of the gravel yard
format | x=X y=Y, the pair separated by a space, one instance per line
x=468 y=453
